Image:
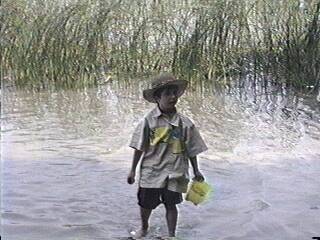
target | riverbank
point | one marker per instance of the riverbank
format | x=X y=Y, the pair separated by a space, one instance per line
x=70 y=44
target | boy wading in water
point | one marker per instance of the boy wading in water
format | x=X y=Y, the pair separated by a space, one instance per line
x=164 y=141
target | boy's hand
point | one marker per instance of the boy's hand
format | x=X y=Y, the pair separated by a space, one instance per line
x=198 y=176
x=131 y=177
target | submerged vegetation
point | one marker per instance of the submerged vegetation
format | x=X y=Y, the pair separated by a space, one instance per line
x=81 y=42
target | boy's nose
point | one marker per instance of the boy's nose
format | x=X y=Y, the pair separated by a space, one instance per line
x=173 y=96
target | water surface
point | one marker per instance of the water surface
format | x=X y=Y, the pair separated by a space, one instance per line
x=65 y=160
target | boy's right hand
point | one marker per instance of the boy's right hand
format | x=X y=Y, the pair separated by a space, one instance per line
x=131 y=177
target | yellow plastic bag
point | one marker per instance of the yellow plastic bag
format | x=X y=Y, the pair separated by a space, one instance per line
x=198 y=192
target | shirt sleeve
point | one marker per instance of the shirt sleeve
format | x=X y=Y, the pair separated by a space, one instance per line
x=194 y=142
x=140 y=136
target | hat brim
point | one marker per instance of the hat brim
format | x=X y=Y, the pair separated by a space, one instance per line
x=148 y=94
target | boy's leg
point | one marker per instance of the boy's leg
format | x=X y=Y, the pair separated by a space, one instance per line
x=149 y=199
x=172 y=217
x=145 y=215
x=170 y=199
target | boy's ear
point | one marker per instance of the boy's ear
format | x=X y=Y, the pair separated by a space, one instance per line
x=157 y=98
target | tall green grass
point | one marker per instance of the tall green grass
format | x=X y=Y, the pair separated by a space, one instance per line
x=79 y=42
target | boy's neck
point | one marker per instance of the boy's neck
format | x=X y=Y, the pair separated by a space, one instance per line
x=168 y=112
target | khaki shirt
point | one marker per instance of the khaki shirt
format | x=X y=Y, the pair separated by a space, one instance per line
x=166 y=144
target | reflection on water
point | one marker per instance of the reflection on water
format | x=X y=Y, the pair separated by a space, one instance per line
x=55 y=144
x=99 y=121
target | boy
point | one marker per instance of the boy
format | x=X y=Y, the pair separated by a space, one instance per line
x=165 y=141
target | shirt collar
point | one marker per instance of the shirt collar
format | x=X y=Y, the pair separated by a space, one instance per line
x=173 y=121
x=157 y=112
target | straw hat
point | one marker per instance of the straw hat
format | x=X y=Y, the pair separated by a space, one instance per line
x=161 y=81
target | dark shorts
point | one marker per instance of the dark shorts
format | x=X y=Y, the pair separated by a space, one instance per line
x=150 y=198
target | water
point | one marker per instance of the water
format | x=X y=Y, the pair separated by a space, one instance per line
x=65 y=160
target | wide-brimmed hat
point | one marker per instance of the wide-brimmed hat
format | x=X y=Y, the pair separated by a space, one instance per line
x=161 y=81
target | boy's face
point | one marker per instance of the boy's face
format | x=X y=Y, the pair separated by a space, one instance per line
x=168 y=99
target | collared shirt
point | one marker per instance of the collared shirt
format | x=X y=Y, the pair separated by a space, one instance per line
x=167 y=143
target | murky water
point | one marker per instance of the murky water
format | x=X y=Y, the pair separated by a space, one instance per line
x=65 y=160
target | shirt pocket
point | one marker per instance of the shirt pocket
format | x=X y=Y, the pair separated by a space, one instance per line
x=176 y=141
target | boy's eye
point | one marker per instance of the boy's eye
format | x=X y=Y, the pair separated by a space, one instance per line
x=170 y=92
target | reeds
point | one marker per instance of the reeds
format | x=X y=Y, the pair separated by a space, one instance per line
x=76 y=43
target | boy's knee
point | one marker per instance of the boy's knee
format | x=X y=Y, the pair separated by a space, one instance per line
x=170 y=207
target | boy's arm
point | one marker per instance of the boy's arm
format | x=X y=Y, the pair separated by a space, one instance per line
x=136 y=157
x=197 y=174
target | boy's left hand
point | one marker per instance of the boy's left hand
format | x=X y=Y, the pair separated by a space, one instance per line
x=131 y=177
x=198 y=176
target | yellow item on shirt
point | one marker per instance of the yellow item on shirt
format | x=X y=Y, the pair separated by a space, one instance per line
x=161 y=134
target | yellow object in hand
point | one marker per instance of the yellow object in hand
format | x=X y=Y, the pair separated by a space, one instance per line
x=198 y=192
